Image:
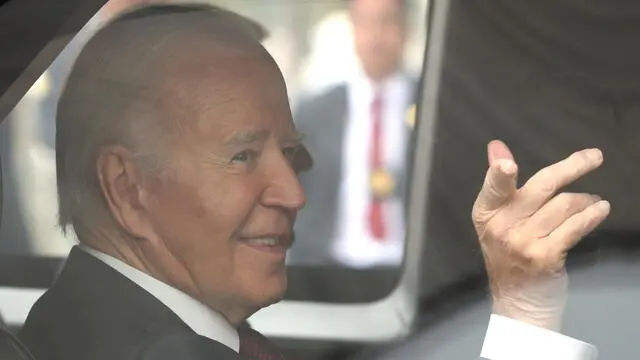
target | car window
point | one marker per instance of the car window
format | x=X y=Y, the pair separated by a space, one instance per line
x=350 y=240
x=311 y=42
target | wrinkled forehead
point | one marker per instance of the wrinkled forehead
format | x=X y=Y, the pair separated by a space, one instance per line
x=218 y=90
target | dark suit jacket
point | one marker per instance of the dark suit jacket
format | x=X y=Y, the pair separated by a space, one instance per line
x=92 y=312
x=323 y=121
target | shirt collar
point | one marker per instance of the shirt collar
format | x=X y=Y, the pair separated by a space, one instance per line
x=200 y=318
x=366 y=88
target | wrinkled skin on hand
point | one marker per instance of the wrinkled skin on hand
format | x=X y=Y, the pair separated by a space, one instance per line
x=525 y=233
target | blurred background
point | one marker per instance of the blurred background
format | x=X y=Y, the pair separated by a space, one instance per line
x=311 y=40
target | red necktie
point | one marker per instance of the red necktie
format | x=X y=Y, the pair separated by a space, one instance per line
x=376 y=210
x=254 y=346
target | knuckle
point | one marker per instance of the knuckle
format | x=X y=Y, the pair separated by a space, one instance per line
x=567 y=207
x=543 y=258
x=532 y=254
x=476 y=217
x=586 y=200
x=495 y=233
x=548 y=183
x=493 y=188
x=581 y=224
x=555 y=259
x=579 y=202
x=588 y=221
x=565 y=197
x=579 y=162
x=575 y=201
x=478 y=214
x=580 y=158
x=566 y=201
x=570 y=203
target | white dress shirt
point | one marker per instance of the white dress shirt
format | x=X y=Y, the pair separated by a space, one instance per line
x=507 y=339
x=201 y=319
x=354 y=245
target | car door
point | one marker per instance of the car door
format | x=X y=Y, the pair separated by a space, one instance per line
x=548 y=78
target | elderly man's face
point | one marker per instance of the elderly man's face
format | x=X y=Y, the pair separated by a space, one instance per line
x=223 y=220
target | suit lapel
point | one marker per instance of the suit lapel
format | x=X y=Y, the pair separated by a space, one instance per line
x=405 y=171
x=87 y=280
x=336 y=123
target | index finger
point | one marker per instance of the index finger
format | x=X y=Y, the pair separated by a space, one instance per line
x=500 y=181
x=546 y=182
x=499 y=186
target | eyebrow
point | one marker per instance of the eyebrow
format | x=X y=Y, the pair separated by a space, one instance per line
x=249 y=137
x=297 y=138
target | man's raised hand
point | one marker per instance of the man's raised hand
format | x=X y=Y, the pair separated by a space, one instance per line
x=525 y=233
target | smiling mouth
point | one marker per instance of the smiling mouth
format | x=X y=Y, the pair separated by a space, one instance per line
x=271 y=244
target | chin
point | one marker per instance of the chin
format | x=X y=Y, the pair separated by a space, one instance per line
x=271 y=293
x=272 y=301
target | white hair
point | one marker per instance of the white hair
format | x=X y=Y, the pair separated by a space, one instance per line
x=112 y=96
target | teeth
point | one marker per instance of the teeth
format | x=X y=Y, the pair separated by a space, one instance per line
x=264 y=241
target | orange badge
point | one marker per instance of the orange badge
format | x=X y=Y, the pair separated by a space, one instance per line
x=382 y=183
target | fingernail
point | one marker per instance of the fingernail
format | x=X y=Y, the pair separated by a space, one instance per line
x=596 y=198
x=508 y=167
x=594 y=154
x=603 y=206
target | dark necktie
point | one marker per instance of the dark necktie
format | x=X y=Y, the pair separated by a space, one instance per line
x=254 y=346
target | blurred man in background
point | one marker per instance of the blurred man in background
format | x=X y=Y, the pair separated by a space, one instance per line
x=358 y=134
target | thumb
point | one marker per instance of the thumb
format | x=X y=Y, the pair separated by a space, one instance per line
x=496 y=149
x=500 y=181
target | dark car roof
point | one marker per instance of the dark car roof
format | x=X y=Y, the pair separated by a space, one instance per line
x=33 y=34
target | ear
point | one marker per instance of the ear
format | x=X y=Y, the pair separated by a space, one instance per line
x=123 y=187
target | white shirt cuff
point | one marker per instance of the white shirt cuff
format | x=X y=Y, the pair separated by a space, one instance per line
x=507 y=339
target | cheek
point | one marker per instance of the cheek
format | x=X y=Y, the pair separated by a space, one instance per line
x=210 y=223
x=197 y=228
x=224 y=208
x=258 y=279
x=199 y=223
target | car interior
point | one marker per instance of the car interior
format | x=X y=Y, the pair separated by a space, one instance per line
x=10 y=347
x=487 y=73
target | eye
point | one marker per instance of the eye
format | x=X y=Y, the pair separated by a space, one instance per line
x=290 y=151
x=244 y=156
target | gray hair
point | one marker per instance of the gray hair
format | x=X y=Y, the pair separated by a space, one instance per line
x=111 y=96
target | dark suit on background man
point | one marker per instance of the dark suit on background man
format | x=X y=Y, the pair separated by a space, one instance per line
x=358 y=135
x=327 y=120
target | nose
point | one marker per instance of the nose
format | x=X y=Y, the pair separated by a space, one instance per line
x=284 y=189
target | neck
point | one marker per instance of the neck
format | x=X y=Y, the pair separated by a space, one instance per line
x=380 y=79
x=114 y=245
x=123 y=248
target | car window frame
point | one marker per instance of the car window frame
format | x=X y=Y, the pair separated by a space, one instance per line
x=349 y=322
